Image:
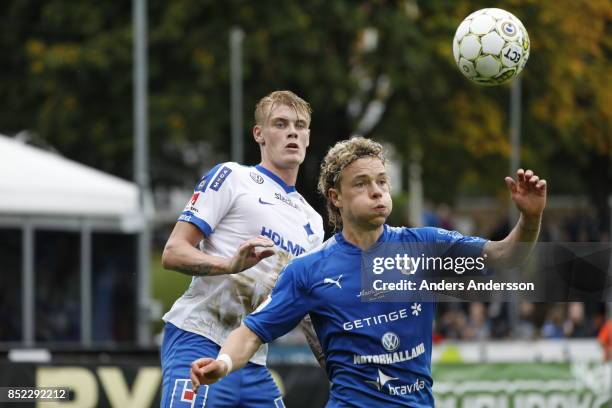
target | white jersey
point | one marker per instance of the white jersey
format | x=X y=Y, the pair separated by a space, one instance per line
x=231 y=204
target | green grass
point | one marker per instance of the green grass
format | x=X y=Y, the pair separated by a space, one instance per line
x=167 y=286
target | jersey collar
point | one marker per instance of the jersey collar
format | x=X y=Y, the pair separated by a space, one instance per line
x=347 y=245
x=278 y=180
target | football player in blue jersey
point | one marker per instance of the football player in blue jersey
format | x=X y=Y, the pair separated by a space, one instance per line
x=239 y=229
x=376 y=353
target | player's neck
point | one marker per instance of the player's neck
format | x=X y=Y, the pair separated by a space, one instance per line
x=360 y=237
x=289 y=176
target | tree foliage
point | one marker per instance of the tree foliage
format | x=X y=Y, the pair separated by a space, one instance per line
x=68 y=79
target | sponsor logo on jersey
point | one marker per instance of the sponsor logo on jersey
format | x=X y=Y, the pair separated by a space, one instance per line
x=194 y=198
x=376 y=320
x=220 y=179
x=390 y=341
x=334 y=281
x=281 y=242
x=285 y=200
x=416 y=309
x=384 y=379
x=418 y=385
x=390 y=358
x=256 y=177
x=264 y=202
x=200 y=186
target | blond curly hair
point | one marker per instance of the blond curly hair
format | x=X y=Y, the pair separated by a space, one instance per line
x=337 y=158
x=264 y=107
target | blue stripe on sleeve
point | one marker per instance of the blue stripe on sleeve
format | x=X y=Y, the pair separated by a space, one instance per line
x=207 y=178
x=187 y=216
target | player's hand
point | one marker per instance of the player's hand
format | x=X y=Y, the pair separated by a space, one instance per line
x=528 y=193
x=250 y=252
x=206 y=371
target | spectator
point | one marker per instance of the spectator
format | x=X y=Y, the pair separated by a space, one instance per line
x=477 y=327
x=576 y=325
x=525 y=328
x=445 y=217
x=452 y=323
x=553 y=326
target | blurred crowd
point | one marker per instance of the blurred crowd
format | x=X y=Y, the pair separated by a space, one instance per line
x=57 y=288
x=480 y=321
x=524 y=320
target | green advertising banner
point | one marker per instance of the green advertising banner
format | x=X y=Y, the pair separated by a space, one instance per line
x=523 y=385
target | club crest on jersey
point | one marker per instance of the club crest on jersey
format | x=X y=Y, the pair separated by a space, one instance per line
x=308 y=229
x=282 y=242
x=220 y=179
x=256 y=177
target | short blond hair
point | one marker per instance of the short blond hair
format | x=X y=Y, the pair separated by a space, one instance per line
x=337 y=158
x=264 y=107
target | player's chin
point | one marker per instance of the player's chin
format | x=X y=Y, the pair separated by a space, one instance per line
x=293 y=159
x=379 y=218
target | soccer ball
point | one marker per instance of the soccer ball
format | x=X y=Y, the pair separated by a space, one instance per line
x=491 y=46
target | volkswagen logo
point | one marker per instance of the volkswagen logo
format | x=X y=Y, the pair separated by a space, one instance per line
x=256 y=177
x=390 y=341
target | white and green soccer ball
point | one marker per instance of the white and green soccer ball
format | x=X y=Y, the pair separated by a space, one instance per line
x=491 y=46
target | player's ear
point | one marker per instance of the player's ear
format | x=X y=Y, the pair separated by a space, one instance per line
x=258 y=136
x=335 y=197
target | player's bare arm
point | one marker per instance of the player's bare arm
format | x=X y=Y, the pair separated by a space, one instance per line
x=528 y=193
x=312 y=340
x=181 y=254
x=239 y=347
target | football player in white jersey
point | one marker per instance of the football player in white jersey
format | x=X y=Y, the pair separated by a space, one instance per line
x=238 y=230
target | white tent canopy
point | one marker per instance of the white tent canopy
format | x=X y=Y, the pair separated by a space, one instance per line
x=42 y=190
x=36 y=182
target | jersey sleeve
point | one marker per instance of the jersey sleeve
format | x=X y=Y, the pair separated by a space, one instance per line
x=319 y=233
x=284 y=308
x=212 y=198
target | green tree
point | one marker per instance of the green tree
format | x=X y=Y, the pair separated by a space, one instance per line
x=68 y=79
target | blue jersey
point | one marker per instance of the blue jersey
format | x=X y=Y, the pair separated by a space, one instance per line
x=377 y=353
